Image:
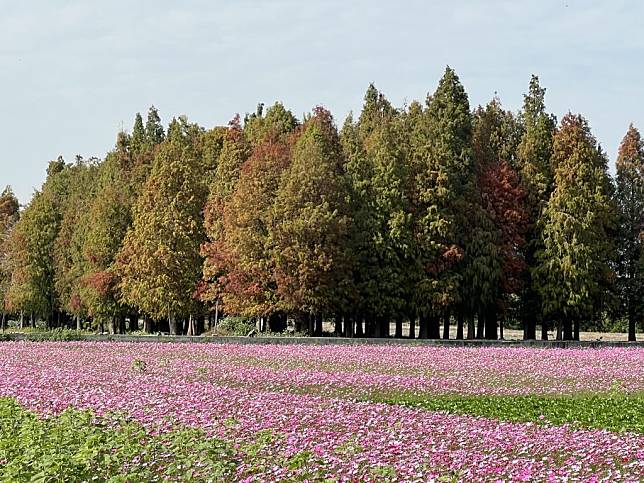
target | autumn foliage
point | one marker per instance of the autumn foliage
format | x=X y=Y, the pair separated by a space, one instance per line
x=431 y=214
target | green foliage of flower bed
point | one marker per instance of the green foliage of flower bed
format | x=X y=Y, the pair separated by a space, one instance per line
x=613 y=411
x=78 y=446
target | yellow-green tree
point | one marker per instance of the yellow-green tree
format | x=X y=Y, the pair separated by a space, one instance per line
x=573 y=264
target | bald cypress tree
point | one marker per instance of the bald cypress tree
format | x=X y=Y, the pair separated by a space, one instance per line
x=234 y=152
x=493 y=263
x=248 y=280
x=9 y=214
x=574 y=261
x=442 y=163
x=154 y=132
x=137 y=139
x=68 y=257
x=312 y=217
x=380 y=185
x=534 y=163
x=159 y=264
x=630 y=240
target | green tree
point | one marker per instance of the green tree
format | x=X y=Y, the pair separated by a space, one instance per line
x=382 y=231
x=154 y=133
x=31 y=259
x=574 y=261
x=630 y=240
x=137 y=139
x=442 y=163
x=534 y=162
x=67 y=250
x=277 y=118
x=493 y=264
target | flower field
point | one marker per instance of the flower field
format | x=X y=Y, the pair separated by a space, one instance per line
x=355 y=413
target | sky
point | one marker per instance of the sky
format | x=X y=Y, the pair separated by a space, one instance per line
x=74 y=73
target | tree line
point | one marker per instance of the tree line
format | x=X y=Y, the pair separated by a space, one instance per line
x=425 y=215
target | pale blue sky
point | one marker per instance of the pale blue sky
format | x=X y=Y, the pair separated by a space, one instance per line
x=73 y=72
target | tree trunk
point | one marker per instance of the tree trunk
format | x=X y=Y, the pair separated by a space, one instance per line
x=559 y=329
x=216 y=313
x=337 y=327
x=381 y=328
x=459 y=325
x=434 y=329
x=348 y=326
x=148 y=324
x=480 y=325
x=446 y=317
x=277 y=322
x=4 y=321
x=359 y=329
x=491 y=325
x=385 y=331
x=192 y=330
x=174 y=325
x=369 y=327
x=544 y=329
x=299 y=322
x=567 y=329
x=529 y=314
x=310 y=322
x=22 y=320
x=412 y=326
x=78 y=323
x=501 y=328
x=319 y=321
x=134 y=322
x=399 y=325
x=575 y=328
x=113 y=325
x=423 y=326
x=631 y=323
x=530 y=332
x=471 y=332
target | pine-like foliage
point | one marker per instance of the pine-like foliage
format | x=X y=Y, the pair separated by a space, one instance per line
x=245 y=251
x=493 y=263
x=234 y=152
x=312 y=220
x=9 y=215
x=381 y=184
x=630 y=239
x=537 y=177
x=159 y=264
x=68 y=256
x=574 y=262
x=442 y=163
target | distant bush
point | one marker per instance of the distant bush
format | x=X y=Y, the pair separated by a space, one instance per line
x=236 y=325
x=79 y=446
x=57 y=334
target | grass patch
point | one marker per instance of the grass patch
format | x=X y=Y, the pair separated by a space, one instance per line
x=78 y=446
x=612 y=411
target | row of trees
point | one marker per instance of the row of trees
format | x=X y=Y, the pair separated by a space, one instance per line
x=428 y=214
